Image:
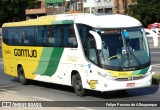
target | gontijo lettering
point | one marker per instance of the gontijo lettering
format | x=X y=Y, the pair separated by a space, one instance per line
x=25 y=53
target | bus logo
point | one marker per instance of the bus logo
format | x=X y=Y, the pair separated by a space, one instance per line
x=130 y=78
x=25 y=53
x=93 y=84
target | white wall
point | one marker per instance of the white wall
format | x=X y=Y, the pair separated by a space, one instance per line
x=102 y=3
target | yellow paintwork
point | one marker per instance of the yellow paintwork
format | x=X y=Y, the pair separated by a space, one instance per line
x=46 y=20
x=29 y=63
x=93 y=84
x=11 y=61
x=72 y=60
x=120 y=74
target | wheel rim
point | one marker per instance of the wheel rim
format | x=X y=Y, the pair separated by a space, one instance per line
x=78 y=84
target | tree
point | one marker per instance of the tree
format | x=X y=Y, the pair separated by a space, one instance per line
x=10 y=9
x=147 y=11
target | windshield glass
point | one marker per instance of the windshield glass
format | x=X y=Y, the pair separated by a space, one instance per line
x=123 y=48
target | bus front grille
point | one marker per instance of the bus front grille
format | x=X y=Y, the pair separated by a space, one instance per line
x=130 y=78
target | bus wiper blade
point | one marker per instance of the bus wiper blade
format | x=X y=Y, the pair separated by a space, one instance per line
x=134 y=56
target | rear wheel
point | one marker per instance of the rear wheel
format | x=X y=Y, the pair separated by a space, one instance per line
x=77 y=84
x=21 y=76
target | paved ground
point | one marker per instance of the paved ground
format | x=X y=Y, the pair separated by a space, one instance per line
x=11 y=96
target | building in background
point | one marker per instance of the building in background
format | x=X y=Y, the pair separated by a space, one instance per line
x=73 y=6
x=50 y=7
x=45 y=7
x=121 y=6
x=98 y=6
x=107 y=6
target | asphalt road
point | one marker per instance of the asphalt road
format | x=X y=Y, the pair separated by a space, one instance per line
x=155 y=59
x=155 y=56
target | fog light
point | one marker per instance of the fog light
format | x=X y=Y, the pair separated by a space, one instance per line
x=150 y=81
x=105 y=85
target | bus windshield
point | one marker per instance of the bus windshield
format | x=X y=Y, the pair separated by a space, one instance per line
x=123 y=49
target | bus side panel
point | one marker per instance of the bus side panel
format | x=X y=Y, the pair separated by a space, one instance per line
x=27 y=57
x=9 y=61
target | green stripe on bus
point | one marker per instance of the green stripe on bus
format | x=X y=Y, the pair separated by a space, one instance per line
x=54 y=61
x=63 y=22
x=43 y=62
x=49 y=61
x=143 y=71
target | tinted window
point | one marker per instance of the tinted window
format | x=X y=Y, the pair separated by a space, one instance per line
x=54 y=36
x=49 y=36
x=84 y=33
x=69 y=36
x=28 y=36
x=41 y=35
x=5 y=35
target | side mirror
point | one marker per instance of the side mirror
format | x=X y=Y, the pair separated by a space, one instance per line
x=98 y=39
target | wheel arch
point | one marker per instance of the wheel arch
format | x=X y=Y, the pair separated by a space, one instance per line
x=18 y=66
x=74 y=72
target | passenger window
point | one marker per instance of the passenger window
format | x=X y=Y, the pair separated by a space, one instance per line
x=5 y=35
x=50 y=35
x=41 y=35
x=28 y=36
x=11 y=36
x=58 y=37
x=54 y=35
x=69 y=37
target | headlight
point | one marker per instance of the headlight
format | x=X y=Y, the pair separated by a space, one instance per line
x=107 y=76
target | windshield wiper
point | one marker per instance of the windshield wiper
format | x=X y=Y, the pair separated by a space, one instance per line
x=129 y=54
x=134 y=56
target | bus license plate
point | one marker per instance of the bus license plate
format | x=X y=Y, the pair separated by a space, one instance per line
x=130 y=85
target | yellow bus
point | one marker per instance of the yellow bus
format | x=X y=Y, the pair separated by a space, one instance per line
x=86 y=51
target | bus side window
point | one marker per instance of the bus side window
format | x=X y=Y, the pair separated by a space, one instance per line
x=41 y=36
x=69 y=37
x=65 y=39
x=5 y=35
x=25 y=38
x=92 y=50
x=72 y=42
x=28 y=36
x=57 y=36
x=50 y=35
x=84 y=33
x=11 y=36
x=19 y=36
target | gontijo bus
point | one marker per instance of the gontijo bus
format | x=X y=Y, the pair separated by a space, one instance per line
x=87 y=51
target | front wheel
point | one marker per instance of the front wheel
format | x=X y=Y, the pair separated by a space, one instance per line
x=21 y=76
x=77 y=83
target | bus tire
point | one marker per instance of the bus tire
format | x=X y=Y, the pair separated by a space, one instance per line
x=77 y=84
x=21 y=76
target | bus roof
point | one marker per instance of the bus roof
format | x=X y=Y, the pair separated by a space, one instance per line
x=94 y=20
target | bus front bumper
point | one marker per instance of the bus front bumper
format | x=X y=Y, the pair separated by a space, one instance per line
x=111 y=85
